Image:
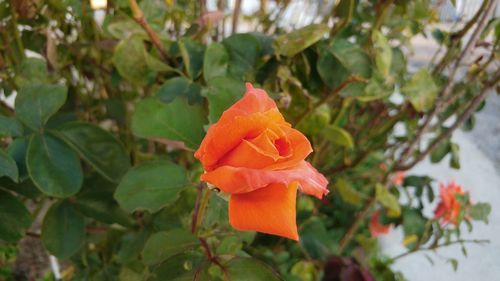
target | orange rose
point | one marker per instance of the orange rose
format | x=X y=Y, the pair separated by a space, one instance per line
x=376 y=228
x=448 y=209
x=253 y=154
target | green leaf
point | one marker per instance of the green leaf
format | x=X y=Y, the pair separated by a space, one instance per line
x=265 y=44
x=14 y=217
x=125 y=28
x=151 y=186
x=180 y=86
x=388 y=200
x=229 y=245
x=398 y=65
x=8 y=166
x=480 y=212
x=36 y=103
x=63 y=230
x=222 y=93
x=157 y=65
x=340 y=60
x=421 y=90
x=298 y=40
x=316 y=240
x=375 y=89
x=345 y=9
x=181 y=267
x=492 y=28
x=53 y=166
x=338 y=136
x=417 y=181
x=331 y=70
x=217 y=211
x=383 y=53
x=440 y=151
x=134 y=272
x=304 y=270
x=216 y=61
x=469 y=124
x=25 y=188
x=439 y=35
x=165 y=244
x=348 y=193
x=32 y=70
x=174 y=121
x=10 y=127
x=96 y=201
x=249 y=269
x=352 y=57
x=192 y=55
x=315 y=122
x=154 y=12
x=454 y=264
x=131 y=246
x=244 y=50
x=17 y=149
x=128 y=58
x=455 y=156
x=97 y=147
x=413 y=225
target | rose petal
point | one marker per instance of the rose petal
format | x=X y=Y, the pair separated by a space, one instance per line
x=269 y=210
x=237 y=180
x=256 y=153
x=272 y=150
x=299 y=144
x=225 y=135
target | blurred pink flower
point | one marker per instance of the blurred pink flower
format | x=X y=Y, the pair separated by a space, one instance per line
x=211 y=18
x=398 y=178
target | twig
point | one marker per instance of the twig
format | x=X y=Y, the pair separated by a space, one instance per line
x=355 y=225
x=172 y=144
x=32 y=234
x=449 y=85
x=343 y=166
x=141 y=20
x=213 y=258
x=236 y=16
x=457 y=37
x=328 y=97
x=381 y=8
x=97 y=229
x=432 y=248
x=476 y=101
x=344 y=242
x=197 y=204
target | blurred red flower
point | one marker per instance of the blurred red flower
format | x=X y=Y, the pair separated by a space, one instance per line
x=376 y=228
x=448 y=209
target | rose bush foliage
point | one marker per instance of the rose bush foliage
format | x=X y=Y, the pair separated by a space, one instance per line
x=97 y=156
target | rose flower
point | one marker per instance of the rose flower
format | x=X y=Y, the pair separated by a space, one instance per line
x=253 y=154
